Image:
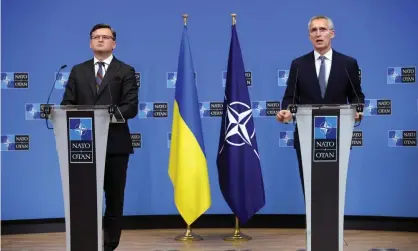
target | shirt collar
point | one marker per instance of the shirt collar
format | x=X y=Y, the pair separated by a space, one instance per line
x=327 y=55
x=106 y=61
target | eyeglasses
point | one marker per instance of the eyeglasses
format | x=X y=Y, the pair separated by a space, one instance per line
x=320 y=30
x=104 y=37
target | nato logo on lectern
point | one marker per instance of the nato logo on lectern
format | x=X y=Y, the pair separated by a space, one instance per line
x=14 y=80
x=81 y=140
x=61 y=80
x=211 y=109
x=401 y=75
x=14 y=142
x=376 y=107
x=248 y=78
x=325 y=139
x=265 y=108
x=402 y=138
x=153 y=110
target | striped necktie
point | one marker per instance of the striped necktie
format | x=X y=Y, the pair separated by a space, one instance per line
x=99 y=75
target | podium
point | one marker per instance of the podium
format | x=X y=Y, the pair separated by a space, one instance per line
x=81 y=140
x=325 y=133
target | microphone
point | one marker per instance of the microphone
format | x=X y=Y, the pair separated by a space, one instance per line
x=47 y=107
x=112 y=107
x=359 y=107
x=293 y=108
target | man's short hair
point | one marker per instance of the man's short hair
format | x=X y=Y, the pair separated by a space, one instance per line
x=103 y=26
x=330 y=23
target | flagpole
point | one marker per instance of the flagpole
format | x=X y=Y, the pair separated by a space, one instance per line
x=188 y=234
x=185 y=16
x=234 y=18
x=237 y=235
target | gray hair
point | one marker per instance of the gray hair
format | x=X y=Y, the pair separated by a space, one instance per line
x=330 y=23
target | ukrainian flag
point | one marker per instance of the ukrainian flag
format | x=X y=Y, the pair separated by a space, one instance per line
x=187 y=164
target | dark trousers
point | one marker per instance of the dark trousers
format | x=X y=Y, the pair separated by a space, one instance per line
x=299 y=156
x=114 y=188
x=296 y=145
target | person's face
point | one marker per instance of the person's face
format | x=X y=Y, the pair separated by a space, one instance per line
x=102 y=40
x=320 y=34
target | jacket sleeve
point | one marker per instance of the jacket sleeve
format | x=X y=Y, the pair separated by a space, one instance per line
x=128 y=104
x=291 y=93
x=70 y=93
x=354 y=73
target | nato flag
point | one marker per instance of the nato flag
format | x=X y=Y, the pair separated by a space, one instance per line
x=238 y=161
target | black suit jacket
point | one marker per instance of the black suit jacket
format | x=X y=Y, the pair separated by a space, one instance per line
x=343 y=79
x=121 y=81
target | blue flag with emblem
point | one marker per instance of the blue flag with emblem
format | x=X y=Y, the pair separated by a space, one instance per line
x=238 y=160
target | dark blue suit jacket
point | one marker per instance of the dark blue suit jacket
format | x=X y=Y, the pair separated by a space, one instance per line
x=339 y=90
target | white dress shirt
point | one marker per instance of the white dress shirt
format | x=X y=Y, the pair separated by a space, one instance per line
x=327 y=61
x=106 y=65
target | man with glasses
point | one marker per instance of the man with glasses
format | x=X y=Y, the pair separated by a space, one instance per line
x=323 y=76
x=105 y=80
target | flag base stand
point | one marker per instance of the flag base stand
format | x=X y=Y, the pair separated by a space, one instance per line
x=237 y=236
x=188 y=236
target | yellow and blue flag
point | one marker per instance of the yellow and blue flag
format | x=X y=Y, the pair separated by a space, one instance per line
x=187 y=165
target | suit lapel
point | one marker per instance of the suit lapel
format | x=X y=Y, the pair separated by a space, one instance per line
x=312 y=72
x=332 y=73
x=109 y=75
x=91 y=76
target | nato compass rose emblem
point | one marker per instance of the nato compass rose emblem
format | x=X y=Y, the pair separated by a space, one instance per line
x=238 y=131
x=325 y=127
x=7 y=142
x=5 y=79
x=396 y=138
x=81 y=129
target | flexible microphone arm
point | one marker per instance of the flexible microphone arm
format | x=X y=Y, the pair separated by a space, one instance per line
x=47 y=107
x=293 y=108
x=359 y=106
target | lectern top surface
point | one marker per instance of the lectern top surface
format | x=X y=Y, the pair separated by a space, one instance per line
x=327 y=106
x=80 y=107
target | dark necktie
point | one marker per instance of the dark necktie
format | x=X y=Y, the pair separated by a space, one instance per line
x=321 y=76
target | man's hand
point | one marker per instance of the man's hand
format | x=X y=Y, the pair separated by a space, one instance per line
x=358 y=117
x=284 y=116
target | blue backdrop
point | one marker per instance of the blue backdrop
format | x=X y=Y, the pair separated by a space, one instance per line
x=38 y=37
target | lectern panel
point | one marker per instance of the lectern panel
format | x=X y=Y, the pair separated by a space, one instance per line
x=325 y=134
x=82 y=180
x=325 y=179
